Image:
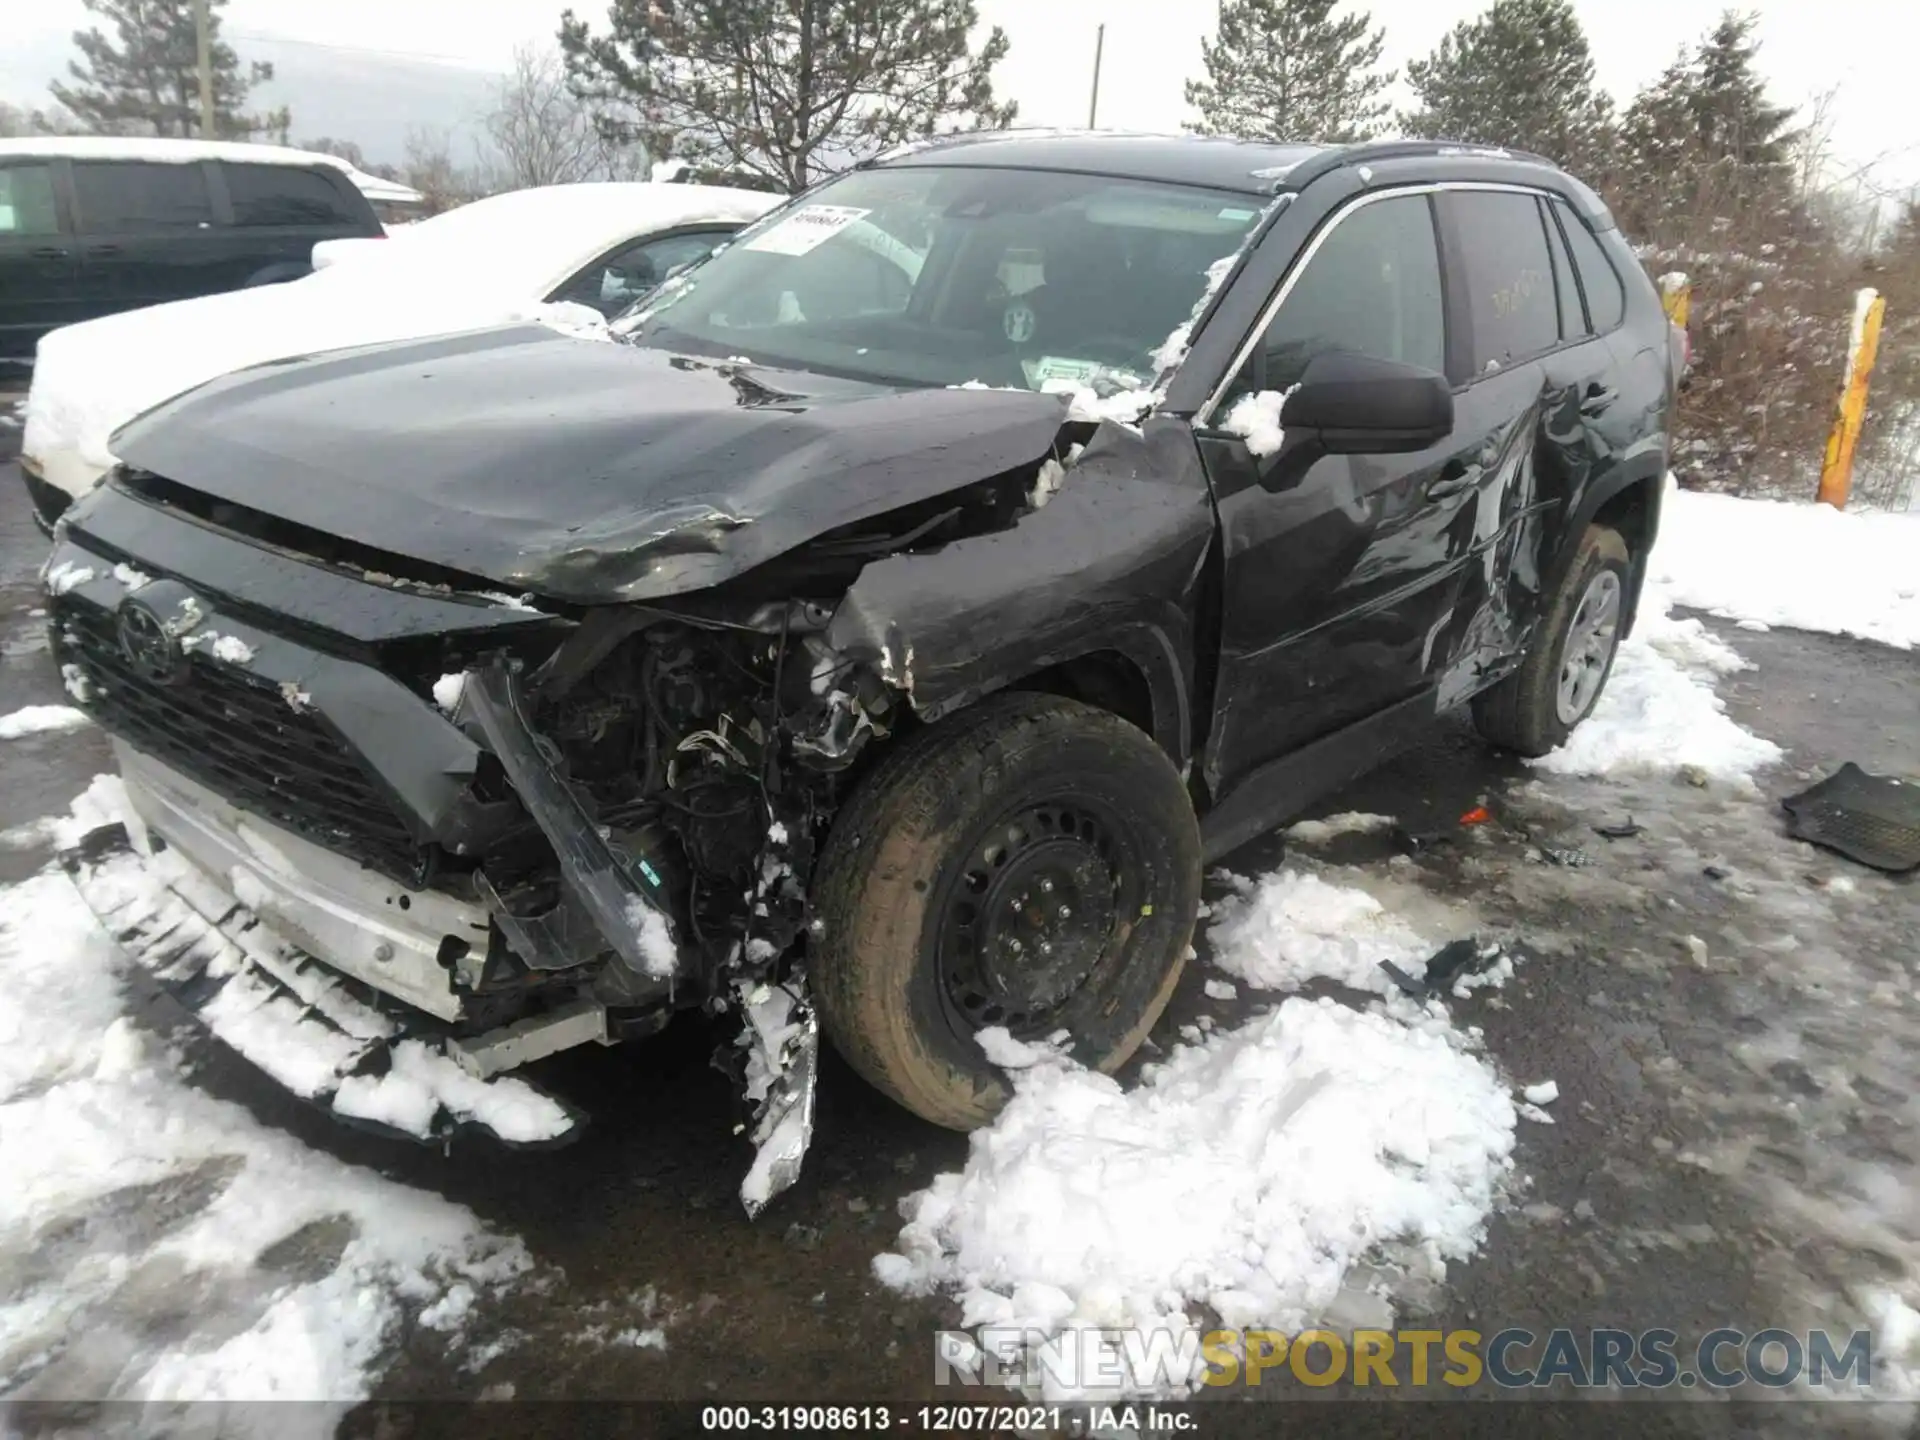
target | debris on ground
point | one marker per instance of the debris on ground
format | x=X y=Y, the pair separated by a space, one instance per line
x=1567 y=857
x=1620 y=832
x=1446 y=968
x=1478 y=815
x=1874 y=819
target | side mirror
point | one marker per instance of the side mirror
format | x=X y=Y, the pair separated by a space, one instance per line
x=1352 y=404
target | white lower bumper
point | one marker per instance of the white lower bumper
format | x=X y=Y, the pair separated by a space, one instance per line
x=346 y=916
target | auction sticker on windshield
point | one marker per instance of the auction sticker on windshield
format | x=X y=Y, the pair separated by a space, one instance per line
x=805 y=229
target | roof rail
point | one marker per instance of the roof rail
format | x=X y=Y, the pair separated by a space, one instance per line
x=1340 y=156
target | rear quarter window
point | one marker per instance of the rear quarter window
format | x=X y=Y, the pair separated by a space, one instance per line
x=26 y=200
x=118 y=197
x=1606 y=296
x=265 y=195
x=1514 y=310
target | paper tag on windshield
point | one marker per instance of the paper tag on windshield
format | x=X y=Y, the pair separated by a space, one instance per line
x=1058 y=367
x=806 y=228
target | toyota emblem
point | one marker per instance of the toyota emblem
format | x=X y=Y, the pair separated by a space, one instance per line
x=149 y=648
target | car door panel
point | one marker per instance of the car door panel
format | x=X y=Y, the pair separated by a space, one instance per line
x=1336 y=590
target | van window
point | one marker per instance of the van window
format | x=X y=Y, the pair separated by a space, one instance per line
x=1606 y=297
x=277 y=195
x=26 y=201
x=120 y=197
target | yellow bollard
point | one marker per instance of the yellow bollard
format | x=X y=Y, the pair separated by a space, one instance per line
x=1836 y=471
x=1676 y=297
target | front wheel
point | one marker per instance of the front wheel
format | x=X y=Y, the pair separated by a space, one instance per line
x=1033 y=863
x=1533 y=710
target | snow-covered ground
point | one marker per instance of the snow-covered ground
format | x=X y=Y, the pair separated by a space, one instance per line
x=1324 y=1160
x=159 y=1244
x=1769 y=562
x=1334 y=1156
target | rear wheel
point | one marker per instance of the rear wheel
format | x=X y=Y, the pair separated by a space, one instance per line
x=1033 y=863
x=1533 y=710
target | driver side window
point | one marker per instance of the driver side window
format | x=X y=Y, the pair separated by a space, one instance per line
x=1371 y=288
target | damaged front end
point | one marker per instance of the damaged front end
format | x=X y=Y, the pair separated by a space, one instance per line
x=390 y=883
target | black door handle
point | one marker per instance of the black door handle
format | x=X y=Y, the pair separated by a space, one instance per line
x=51 y=252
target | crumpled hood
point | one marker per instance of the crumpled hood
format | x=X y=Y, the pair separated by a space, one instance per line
x=577 y=469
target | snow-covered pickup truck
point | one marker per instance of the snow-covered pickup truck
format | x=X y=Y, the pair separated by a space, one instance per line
x=881 y=642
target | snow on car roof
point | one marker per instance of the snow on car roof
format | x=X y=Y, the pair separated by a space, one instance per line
x=155 y=149
x=531 y=240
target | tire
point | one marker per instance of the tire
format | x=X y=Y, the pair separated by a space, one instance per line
x=1529 y=712
x=916 y=949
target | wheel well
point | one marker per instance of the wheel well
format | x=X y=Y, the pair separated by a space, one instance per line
x=1629 y=513
x=1104 y=679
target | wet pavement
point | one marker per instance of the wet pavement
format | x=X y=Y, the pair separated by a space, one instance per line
x=1737 y=1138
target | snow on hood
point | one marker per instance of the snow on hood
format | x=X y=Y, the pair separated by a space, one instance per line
x=484 y=264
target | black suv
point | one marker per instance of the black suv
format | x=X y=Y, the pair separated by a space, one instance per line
x=91 y=226
x=891 y=624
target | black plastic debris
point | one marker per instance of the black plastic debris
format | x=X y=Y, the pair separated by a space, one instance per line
x=1716 y=872
x=1415 y=842
x=1565 y=856
x=1874 y=819
x=1444 y=967
x=1620 y=832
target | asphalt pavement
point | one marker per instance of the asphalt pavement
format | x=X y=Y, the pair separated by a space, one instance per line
x=1737 y=1141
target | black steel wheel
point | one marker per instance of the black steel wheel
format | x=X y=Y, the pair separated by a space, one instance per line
x=1033 y=863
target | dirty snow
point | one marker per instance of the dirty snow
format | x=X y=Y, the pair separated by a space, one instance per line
x=657 y=950
x=1659 y=712
x=67 y=576
x=41 y=720
x=421 y=1082
x=1290 y=927
x=164 y=1245
x=1808 y=566
x=1256 y=419
x=448 y=689
x=1349 y=822
x=1279 y=1174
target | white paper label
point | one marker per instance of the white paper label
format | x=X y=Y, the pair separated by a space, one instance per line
x=806 y=228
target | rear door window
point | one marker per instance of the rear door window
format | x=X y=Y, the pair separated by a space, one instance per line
x=26 y=201
x=122 y=197
x=1606 y=296
x=1509 y=272
x=1573 y=316
x=276 y=195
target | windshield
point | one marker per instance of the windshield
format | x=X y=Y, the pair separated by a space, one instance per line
x=1021 y=278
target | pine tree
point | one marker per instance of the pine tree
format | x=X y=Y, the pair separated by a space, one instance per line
x=1291 y=70
x=790 y=90
x=1517 y=75
x=143 y=79
x=1704 y=135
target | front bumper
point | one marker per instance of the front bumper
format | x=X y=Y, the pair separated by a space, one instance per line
x=174 y=908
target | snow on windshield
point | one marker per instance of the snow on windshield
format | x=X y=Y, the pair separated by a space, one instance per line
x=1043 y=281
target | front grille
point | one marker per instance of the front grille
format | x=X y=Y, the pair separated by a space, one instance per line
x=237 y=734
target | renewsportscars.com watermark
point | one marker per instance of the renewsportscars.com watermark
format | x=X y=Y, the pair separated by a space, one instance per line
x=1514 y=1359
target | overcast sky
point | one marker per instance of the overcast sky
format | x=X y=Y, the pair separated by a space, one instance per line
x=1809 y=46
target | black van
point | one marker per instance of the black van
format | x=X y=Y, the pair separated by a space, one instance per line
x=92 y=225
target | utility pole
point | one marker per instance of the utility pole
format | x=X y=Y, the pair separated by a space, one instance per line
x=203 y=57
x=1093 y=105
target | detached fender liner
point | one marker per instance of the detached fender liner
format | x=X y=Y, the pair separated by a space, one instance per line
x=290 y=1015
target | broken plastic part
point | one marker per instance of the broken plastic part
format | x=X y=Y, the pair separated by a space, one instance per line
x=605 y=885
x=781 y=1037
